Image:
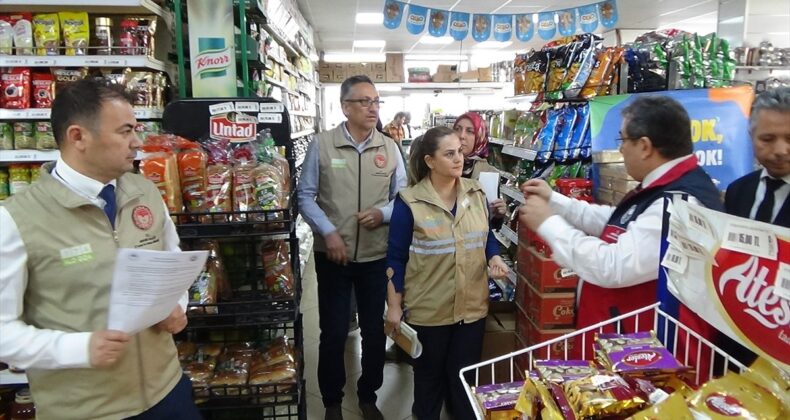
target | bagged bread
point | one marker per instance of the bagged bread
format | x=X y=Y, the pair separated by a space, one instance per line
x=161 y=167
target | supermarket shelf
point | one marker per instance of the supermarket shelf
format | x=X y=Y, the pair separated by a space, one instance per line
x=291 y=72
x=508 y=233
x=302 y=113
x=275 y=33
x=522 y=98
x=8 y=378
x=300 y=134
x=436 y=86
x=506 y=175
x=501 y=142
x=44 y=113
x=135 y=61
x=512 y=193
x=280 y=85
x=520 y=152
x=502 y=239
x=94 y=6
x=761 y=68
x=277 y=60
x=28 y=155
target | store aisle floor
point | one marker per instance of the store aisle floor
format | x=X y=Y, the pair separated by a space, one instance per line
x=396 y=394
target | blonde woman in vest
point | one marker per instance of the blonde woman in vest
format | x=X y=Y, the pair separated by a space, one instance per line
x=440 y=251
x=58 y=244
x=473 y=133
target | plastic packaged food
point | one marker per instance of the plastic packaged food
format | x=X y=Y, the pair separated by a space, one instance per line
x=160 y=166
x=545 y=139
x=18 y=177
x=24 y=137
x=602 y=395
x=244 y=191
x=536 y=68
x=562 y=150
x=674 y=408
x=23 y=33
x=64 y=77
x=602 y=62
x=43 y=90
x=550 y=411
x=767 y=375
x=76 y=34
x=45 y=139
x=16 y=88
x=528 y=400
x=128 y=37
x=102 y=33
x=564 y=370
x=6 y=136
x=735 y=396
x=141 y=86
x=498 y=396
x=192 y=173
x=567 y=410
x=219 y=188
x=6 y=35
x=580 y=128
x=279 y=279
x=46 y=31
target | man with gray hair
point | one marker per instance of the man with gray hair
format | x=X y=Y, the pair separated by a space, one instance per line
x=762 y=195
x=349 y=178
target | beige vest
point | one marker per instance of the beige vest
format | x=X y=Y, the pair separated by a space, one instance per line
x=446 y=276
x=481 y=165
x=71 y=256
x=350 y=182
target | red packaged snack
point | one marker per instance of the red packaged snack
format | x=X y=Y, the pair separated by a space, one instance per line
x=43 y=90
x=578 y=188
x=16 y=88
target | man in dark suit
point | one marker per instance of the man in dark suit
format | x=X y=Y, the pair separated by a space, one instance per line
x=763 y=194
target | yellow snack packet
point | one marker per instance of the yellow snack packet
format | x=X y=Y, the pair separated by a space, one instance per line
x=769 y=376
x=674 y=407
x=550 y=410
x=46 y=33
x=734 y=396
x=76 y=34
x=527 y=403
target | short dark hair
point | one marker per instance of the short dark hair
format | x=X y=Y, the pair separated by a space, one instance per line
x=774 y=100
x=427 y=146
x=664 y=121
x=81 y=102
x=399 y=115
x=345 y=88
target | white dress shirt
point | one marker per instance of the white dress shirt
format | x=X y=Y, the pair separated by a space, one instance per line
x=23 y=345
x=780 y=195
x=574 y=232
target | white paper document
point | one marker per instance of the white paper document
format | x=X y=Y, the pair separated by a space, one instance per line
x=147 y=286
x=490 y=182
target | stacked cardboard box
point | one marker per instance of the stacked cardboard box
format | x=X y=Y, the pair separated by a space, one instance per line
x=545 y=297
x=615 y=183
x=445 y=74
x=394 y=68
x=338 y=72
x=499 y=339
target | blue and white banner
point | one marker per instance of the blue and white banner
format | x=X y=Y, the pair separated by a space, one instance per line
x=503 y=27
x=415 y=20
x=525 y=27
x=588 y=18
x=481 y=27
x=607 y=10
x=564 y=22
x=393 y=13
x=567 y=22
x=546 y=26
x=440 y=19
x=459 y=25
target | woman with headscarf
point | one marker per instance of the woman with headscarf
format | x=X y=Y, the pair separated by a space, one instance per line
x=473 y=132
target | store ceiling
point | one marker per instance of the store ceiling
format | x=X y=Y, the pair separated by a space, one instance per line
x=334 y=22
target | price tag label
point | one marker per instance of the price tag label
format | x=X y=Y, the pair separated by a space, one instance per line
x=39 y=113
x=221 y=108
x=675 y=260
x=750 y=239
x=14 y=62
x=92 y=61
x=271 y=107
x=782 y=285
x=247 y=106
x=25 y=156
x=270 y=118
x=118 y=62
x=42 y=62
x=567 y=272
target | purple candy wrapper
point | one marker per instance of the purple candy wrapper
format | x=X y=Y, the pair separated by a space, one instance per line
x=496 y=396
x=643 y=358
x=565 y=370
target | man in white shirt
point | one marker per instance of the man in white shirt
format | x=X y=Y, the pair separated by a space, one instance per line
x=58 y=243
x=615 y=250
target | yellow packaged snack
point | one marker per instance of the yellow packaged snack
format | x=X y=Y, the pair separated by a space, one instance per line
x=75 y=32
x=602 y=395
x=775 y=380
x=734 y=396
x=550 y=411
x=675 y=385
x=46 y=33
x=528 y=399
x=674 y=407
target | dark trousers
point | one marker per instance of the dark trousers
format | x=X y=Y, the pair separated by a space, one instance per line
x=177 y=405
x=445 y=350
x=334 y=296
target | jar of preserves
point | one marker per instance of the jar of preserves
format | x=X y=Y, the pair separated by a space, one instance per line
x=23 y=407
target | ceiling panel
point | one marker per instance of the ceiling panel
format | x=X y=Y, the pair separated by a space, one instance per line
x=334 y=21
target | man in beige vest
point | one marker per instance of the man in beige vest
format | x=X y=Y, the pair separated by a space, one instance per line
x=349 y=178
x=58 y=244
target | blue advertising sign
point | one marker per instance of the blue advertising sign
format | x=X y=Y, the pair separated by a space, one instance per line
x=415 y=21
x=503 y=27
x=546 y=25
x=481 y=27
x=440 y=19
x=459 y=25
x=525 y=27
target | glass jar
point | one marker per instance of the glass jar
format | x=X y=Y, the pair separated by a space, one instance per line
x=23 y=407
x=103 y=34
x=128 y=41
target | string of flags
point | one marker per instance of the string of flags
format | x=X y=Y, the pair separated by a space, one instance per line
x=566 y=22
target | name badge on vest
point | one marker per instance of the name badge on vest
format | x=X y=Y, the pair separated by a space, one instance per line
x=338 y=163
x=465 y=203
x=627 y=215
x=76 y=254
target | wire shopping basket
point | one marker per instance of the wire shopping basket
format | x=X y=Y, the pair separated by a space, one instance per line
x=669 y=330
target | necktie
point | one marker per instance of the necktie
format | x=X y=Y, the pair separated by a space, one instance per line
x=766 y=209
x=108 y=195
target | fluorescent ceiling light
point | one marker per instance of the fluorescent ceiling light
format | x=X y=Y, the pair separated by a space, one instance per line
x=738 y=19
x=370 y=43
x=435 y=57
x=370 y=18
x=354 y=58
x=493 y=44
x=433 y=40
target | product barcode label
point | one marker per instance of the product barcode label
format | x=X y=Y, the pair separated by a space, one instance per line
x=685 y=246
x=782 y=285
x=675 y=260
x=114 y=62
x=14 y=62
x=38 y=113
x=749 y=238
x=270 y=118
x=92 y=61
x=247 y=106
x=273 y=107
x=699 y=222
x=567 y=272
x=221 y=108
x=42 y=62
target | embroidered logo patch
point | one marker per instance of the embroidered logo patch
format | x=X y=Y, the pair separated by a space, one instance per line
x=142 y=217
x=338 y=163
x=380 y=161
x=627 y=216
x=76 y=254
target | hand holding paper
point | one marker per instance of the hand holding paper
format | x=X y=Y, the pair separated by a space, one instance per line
x=406 y=339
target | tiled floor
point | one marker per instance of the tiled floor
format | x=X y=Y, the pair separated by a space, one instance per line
x=395 y=395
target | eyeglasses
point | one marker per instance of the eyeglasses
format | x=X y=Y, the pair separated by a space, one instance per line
x=366 y=103
x=620 y=140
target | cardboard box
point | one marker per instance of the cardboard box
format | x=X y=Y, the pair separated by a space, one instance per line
x=545 y=275
x=339 y=75
x=485 y=75
x=604 y=196
x=614 y=170
x=546 y=310
x=325 y=74
x=556 y=350
x=324 y=65
x=394 y=68
x=445 y=77
x=447 y=68
x=496 y=344
x=378 y=76
x=622 y=185
x=468 y=76
x=379 y=68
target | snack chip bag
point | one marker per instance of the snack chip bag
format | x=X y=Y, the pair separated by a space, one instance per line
x=76 y=34
x=528 y=400
x=46 y=32
x=735 y=396
x=602 y=395
x=674 y=408
x=774 y=379
x=562 y=150
x=498 y=396
x=24 y=135
x=562 y=401
x=544 y=142
x=603 y=60
x=550 y=411
x=564 y=370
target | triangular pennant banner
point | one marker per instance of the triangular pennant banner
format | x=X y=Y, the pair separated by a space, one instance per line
x=607 y=10
x=567 y=22
x=588 y=18
x=415 y=20
x=439 y=21
x=481 y=27
x=525 y=27
x=393 y=13
x=503 y=27
x=546 y=26
x=459 y=25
